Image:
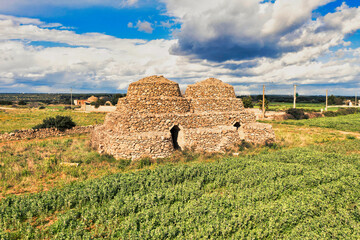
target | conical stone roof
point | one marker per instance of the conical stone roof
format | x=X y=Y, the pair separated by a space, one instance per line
x=210 y=88
x=154 y=86
x=92 y=99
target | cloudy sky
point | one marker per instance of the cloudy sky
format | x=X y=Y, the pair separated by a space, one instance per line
x=103 y=45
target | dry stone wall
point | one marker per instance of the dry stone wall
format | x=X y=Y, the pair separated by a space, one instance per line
x=257 y=133
x=43 y=133
x=154 y=120
x=210 y=88
x=154 y=105
x=134 y=146
x=215 y=104
x=137 y=123
x=154 y=86
x=203 y=139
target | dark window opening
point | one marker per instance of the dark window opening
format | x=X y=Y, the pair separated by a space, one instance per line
x=174 y=135
x=237 y=125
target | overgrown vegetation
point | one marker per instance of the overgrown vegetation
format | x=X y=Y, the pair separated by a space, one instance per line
x=266 y=105
x=248 y=102
x=345 y=123
x=32 y=166
x=4 y=102
x=16 y=119
x=341 y=112
x=297 y=113
x=295 y=193
x=283 y=190
x=59 y=122
x=22 y=102
x=333 y=100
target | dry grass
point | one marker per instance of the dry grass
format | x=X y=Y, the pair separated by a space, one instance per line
x=30 y=166
x=25 y=118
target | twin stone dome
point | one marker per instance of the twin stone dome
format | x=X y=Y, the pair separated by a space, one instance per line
x=159 y=86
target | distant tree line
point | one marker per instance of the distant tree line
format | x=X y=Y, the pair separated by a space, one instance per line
x=52 y=98
x=332 y=100
x=287 y=98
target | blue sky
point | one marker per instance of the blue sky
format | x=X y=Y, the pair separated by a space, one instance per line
x=102 y=46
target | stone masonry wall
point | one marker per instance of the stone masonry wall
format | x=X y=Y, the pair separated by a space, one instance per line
x=160 y=145
x=257 y=133
x=154 y=86
x=154 y=120
x=154 y=105
x=210 y=88
x=214 y=139
x=134 y=146
x=123 y=123
x=43 y=133
x=215 y=104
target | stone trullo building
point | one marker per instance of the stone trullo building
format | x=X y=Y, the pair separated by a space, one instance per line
x=155 y=119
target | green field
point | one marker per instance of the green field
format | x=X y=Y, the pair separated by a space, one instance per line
x=303 y=187
x=309 y=192
x=24 y=118
x=344 y=123
x=279 y=106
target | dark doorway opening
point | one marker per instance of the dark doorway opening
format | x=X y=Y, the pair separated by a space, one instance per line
x=174 y=135
x=237 y=125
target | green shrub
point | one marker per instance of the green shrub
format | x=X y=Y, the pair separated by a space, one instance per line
x=266 y=104
x=297 y=113
x=123 y=163
x=5 y=102
x=351 y=137
x=341 y=112
x=22 y=102
x=248 y=103
x=330 y=114
x=143 y=162
x=59 y=122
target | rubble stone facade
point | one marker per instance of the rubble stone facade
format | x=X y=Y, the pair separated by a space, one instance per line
x=155 y=119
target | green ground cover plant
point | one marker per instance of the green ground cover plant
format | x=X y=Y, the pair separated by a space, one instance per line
x=313 y=107
x=36 y=165
x=17 y=119
x=344 y=123
x=299 y=193
x=59 y=122
x=342 y=111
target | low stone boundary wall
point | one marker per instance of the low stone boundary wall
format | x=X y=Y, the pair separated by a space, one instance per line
x=43 y=133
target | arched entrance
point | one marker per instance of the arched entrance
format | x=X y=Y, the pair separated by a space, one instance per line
x=174 y=135
x=237 y=125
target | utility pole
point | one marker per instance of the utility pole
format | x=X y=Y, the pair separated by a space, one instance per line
x=263 y=101
x=294 y=96
x=326 y=106
x=71 y=97
x=356 y=99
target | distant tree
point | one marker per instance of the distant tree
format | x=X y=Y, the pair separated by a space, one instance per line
x=266 y=104
x=115 y=98
x=332 y=100
x=297 y=113
x=22 y=102
x=5 y=102
x=247 y=101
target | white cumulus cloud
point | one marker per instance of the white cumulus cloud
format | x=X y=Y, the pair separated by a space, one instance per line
x=94 y=62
